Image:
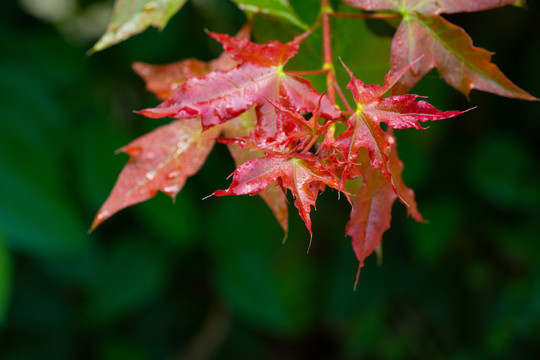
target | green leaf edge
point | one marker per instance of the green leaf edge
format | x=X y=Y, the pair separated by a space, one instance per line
x=108 y=39
x=286 y=12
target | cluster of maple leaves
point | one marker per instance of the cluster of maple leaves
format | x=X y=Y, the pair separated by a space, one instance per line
x=283 y=134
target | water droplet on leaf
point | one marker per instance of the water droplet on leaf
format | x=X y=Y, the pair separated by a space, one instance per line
x=150 y=175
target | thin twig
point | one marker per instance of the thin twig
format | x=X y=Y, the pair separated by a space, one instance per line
x=366 y=16
x=312 y=72
x=342 y=96
x=327 y=49
x=309 y=145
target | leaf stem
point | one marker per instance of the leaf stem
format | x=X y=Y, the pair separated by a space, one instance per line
x=342 y=97
x=310 y=144
x=328 y=65
x=311 y=72
x=366 y=16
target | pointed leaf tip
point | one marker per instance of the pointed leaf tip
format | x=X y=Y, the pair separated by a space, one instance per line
x=360 y=266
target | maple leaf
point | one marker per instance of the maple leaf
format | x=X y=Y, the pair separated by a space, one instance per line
x=160 y=160
x=222 y=95
x=131 y=17
x=371 y=212
x=304 y=175
x=443 y=45
x=398 y=112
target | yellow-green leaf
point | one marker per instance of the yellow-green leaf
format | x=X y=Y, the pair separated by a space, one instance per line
x=131 y=17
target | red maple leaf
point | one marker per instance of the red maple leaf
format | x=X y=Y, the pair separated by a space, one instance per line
x=440 y=44
x=398 y=112
x=160 y=160
x=372 y=204
x=371 y=212
x=222 y=95
x=303 y=174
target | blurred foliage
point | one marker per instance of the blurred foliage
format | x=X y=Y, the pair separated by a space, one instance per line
x=199 y=279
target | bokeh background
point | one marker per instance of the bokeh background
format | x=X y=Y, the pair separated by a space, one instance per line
x=211 y=279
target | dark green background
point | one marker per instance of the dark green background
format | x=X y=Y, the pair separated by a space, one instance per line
x=199 y=279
